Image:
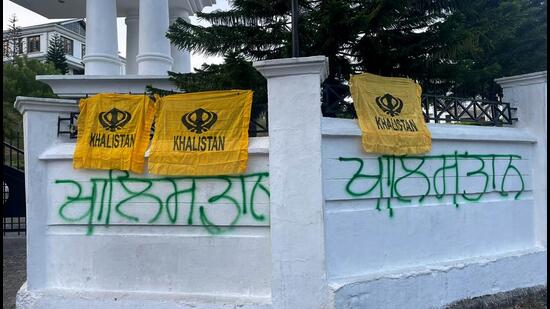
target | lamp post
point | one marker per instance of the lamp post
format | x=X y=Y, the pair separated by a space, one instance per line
x=295 y=41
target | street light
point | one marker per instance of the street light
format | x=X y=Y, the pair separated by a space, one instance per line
x=295 y=42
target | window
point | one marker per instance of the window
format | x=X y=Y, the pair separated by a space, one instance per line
x=33 y=44
x=68 y=44
x=83 y=51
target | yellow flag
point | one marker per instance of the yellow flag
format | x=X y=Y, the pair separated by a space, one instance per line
x=202 y=133
x=113 y=132
x=390 y=114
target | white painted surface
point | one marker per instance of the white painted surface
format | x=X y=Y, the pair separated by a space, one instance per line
x=54 y=9
x=78 y=86
x=361 y=239
x=428 y=254
x=132 y=42
x=297 y=241
x=75 y=256
x=319 y=246
x=181 y=57
x=528 y=92
x=101 y=38
x=434 y=286
x=154 y=48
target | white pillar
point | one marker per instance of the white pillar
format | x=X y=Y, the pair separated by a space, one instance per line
x=297 y=226
x=132 y=42
x=101 y=38
x=40 y=119
x=527 y=92
x=182 y=58
x=154 y=48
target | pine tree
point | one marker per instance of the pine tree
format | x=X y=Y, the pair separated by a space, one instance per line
x=14 y=46
x=448 y=46
x=56 y=54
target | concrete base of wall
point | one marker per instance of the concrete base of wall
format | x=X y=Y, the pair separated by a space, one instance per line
x=436 y=286
x=69 y=299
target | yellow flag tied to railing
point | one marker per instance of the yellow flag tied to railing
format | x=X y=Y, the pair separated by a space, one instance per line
x=113 y=132
x=390 y=115
x=202 y=133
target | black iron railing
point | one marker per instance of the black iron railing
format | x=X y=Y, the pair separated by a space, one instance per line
x=67 y=125
x=445 y=109
x=13 y=152
x=13 y=187
x=337 y=102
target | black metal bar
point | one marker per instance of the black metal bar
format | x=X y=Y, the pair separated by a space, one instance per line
x=437 y=108
x=295 y=40
x=17 y=147
x=11 y=147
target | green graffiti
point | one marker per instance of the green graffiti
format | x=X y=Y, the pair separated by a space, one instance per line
x=101 y=205
x=444 y=181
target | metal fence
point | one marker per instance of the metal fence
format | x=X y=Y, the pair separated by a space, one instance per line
x=13 y=187
x=337 y=103
x=13 y=152
x=67 y=125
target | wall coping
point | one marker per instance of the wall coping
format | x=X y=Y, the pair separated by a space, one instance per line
x=349 y=127
x=24 y=104
x=65 y=151
x=293 y=66
x=523 y=79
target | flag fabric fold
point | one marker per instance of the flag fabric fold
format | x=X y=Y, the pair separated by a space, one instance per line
x=390 y=115
x=202 y=133
x=113 y=132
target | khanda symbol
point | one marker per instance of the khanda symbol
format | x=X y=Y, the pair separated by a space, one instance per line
x=114 y=119
x=390 y=104
x=199 y=121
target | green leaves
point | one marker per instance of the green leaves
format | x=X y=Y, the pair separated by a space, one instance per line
x=448 y=46
x=19 y=79
x=56 y=54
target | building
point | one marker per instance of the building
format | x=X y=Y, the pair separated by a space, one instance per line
x=149 y=54
x=34 y=42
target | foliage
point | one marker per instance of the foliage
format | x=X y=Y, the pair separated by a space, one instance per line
x=14 y=42
x=235 y=73
x=19 y=79
x=448 y=46
x=56 y=54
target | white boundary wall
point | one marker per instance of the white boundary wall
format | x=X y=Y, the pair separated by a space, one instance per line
x=317 y=241
x=93 y=241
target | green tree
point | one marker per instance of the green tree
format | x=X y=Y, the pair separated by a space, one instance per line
x=14 y=45
x=234 y=73
x=56 y=54
x=19 y=79
x=447 y=46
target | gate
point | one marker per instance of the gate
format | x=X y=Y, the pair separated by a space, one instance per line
x=13 y=190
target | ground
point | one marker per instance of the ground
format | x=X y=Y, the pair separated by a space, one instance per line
x=14 y=275
x=529 y=298
x=14 y=268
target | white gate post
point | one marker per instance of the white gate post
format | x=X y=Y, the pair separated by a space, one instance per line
x=295 y=180
x=40 y=118
x=527 y=92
